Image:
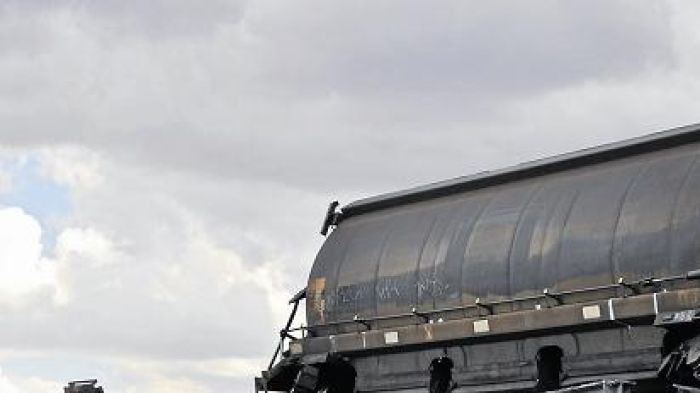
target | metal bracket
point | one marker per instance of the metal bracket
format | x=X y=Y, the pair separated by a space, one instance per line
x=677 y=317
x=480 y=306
x=298 y=297
x=285 y=334
x=332 y=218
x=549 y=295
x=419 y=314
x=361 y=321
x=625 y=286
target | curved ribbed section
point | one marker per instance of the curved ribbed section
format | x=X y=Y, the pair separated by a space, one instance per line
x=633 y=217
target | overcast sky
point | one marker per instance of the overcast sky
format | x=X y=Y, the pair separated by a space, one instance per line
x=165 y=165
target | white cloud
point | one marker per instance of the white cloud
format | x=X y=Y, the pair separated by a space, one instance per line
x=217 y=367
x=31 y=384
x=170 y=384
x=78 y=249
x=22 y=265
x=85 y=245
x=5 y=385
x=5 y=182
x=72 y=166
x=157 y=275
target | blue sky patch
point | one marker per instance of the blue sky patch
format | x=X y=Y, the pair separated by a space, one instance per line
x=39 y=196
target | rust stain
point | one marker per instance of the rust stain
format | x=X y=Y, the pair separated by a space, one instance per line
x=318 y=286
x=428 y=332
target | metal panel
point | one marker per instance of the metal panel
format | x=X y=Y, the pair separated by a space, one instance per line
x=587 y=237
x=600 y=387
x=321 y=287
x=489 y=269
x=396 y=272
x=634 y=217
x=450 y=262
x=431 y=280
x=355 y=292
x=685 y=226
x=525 y=260
x=642 y=238
x=488 y=249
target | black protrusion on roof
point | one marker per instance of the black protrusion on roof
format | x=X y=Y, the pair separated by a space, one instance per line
x=331 y=218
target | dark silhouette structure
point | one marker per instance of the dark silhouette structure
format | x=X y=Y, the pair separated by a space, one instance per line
x=83 y=386
x=562 y=272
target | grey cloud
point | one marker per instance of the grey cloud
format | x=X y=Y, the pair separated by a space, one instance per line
x=164 y=19
x=460 y=49
x=156 y=19
x=295 y=91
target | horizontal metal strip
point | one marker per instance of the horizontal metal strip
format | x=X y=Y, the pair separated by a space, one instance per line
x=616 y=310
x=622 y=287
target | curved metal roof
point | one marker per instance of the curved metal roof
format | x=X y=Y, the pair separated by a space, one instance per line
x=608 y=152
x=575 y=221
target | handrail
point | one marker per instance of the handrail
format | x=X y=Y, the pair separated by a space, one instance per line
x=635 y=286
x=284 y=333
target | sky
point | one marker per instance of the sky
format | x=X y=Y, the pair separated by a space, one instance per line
x=165 y=165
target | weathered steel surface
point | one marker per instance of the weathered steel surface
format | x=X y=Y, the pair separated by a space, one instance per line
x=629 y=210
x=634 y=310
x=510 y=365
x=600 y=387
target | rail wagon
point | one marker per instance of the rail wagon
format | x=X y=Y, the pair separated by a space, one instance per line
x=549 y=275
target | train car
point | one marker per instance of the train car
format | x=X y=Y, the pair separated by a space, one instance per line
x=83 y=386
x=548 y=275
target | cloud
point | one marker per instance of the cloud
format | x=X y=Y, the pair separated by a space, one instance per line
x=459 y=50
x=71 y=166
x=348 y=76
x=5 y=182
x=5 y=385
x=125 y=373
x=22 y=267
x=197 y=149
x=147 y=276
x=140 y=305
x=29 y=384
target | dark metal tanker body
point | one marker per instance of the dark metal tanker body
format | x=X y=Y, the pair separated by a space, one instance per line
x=563 y=271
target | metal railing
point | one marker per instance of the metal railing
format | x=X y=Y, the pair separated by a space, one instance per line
x=622 y=289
